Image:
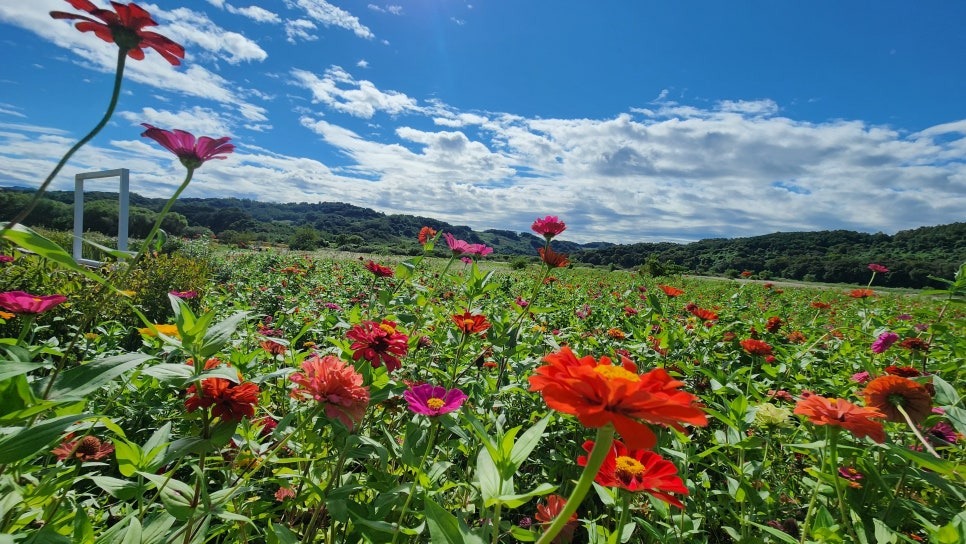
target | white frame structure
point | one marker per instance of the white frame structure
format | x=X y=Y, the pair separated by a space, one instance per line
x=124 y=192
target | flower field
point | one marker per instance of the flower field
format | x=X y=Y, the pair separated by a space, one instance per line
x=279 y=397
x=292 y=397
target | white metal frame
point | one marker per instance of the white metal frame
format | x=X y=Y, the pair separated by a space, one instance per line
x=124 y=193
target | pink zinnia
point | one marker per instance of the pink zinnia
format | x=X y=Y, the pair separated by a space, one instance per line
x=861 y=377
x=125 y=27
x=6 y=258
x=878 y=268
x=456 y=245
x=20 y=302
x=433 y=400
x=336 y=385
x=192 y=153
x=548 y=226
x=884 y=342
x=479 y=249
x=378 y=343
x=184 y=294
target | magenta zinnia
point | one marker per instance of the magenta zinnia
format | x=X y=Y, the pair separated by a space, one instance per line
x=336 y=385
x=548 y=226
x=378 y=343
x=20 y=302
x=125 y=27
x=192 y=152
x=433 y=400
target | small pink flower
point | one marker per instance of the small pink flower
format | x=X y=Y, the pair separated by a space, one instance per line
x=878 y=268
x=860 y=377
x=184 y=294
x=192 y=153
x=548 y=226
x=457 y=246
x=20 y=302
x=334 y=384
x=6 y=259
x=884 y=342
x=433 y=400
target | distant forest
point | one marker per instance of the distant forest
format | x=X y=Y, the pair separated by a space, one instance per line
x=837 y=256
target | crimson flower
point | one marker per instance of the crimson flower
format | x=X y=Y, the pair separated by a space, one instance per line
x=599 y=393
x=548 y=511
x=638 y=470
x=773 y=324
x=336 y=385
x=125 y=27
x=379 y=270
x=878 y=268
x=844 y=414
x=469 y=323
x=20 y=302
x=190 y=151
x=756 y=347
x=184 y=294
x=433 y=400
x=6 y=259
x=548 y=226
x=912 y=344
x=228 y=400
x=378 y=343
x=904 y=371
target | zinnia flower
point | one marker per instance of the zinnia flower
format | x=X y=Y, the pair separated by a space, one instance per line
x=701 y=313
x=756 y=347
x=638 y=470
x=548 y=227
x=884 y=342
x=378 y=343
x=671 y=291
x=6 y=259
x=549 y=510
x=860 y=377
x=599 y=393
x=228 y=400
x=552 y=258
x=479 y=249
x=912 y=344
x=89 y=448
x=878 y=268
x=334 y=383
x=20 y=302
x=379 y=270
x=774 y=323
x=433 y=400
x=942 y=434
x=425 y=235
x=887 y=393
x=192 y=153
x=842 y=413
x=457 y=246
x=161 y=328
x=125 y=27
x=469 y=323
x=904 y=371
x=861 y=293
x=184 y=294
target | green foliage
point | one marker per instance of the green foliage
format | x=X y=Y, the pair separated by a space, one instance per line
x=157 y=275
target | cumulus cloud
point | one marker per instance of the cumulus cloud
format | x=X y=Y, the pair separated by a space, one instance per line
x=186 y=26
x=256 y=13
x=338 y=90
x=300 y=29
x=329 y=15
x=196 y=120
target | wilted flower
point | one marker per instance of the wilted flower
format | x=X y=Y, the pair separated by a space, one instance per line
x=433 y=400
x=192 y=153
x=21 y=302
x=548 y=226
x=336 y=385
x=124 y=27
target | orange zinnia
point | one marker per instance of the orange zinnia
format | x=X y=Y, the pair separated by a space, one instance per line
x=552 y=258
x=887 y=393
x=842 y=413
x=599 y=393
x=671 y=291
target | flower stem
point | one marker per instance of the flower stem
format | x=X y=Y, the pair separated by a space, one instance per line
x=412 y=488
x=837 y=482
x=118 y=77
x=602 y=444
x=915 y=431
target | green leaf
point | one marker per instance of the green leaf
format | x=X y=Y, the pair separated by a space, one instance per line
x=218 y=335
x=86 y=378
x=118 y=488
x=27 y=441
x=780 y=535
x=525 y=445
x=492 y=485
x=946 y=394
x=176 y=373
x=128 y=457
x=9 y=369
x=444 y=528
x=929 y=462
x=957 y=416
x=28 y=239
x=517 y=500
x=175 y=495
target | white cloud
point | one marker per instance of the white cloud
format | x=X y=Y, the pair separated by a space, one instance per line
x=300 y=29
x=256 y=13
x=363 y=63
x=196 y=120
x=329 y=15
x=361 y=99
x=186 y=26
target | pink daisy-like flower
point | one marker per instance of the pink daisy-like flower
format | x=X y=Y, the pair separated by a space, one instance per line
x=192 y=152
x=878 y=268
x=336 y=385
x=884 y=342
x=21 y=302
x=433 y=400
x=548 y=226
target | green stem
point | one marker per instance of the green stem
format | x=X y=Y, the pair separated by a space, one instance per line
x=27 y=325
x=115 y=94
x=412 y=488
x=915 y=431
x=602 y=444
x=316 y=516
x=837 y=482
x=164 y=212
x=625 y=513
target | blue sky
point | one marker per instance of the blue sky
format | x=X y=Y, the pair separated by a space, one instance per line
x=632 y=121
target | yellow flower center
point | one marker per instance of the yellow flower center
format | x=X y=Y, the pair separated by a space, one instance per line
x=388 y=328
x=612 y=372
x=435 y=403
x=626 y=468
x=37 y=299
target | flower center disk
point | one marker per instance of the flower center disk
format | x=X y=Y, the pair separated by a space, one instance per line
x=612 y=372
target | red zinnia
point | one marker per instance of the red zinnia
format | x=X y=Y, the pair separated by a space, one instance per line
x=469 y=323
x=844 y=414
x=887 y=393
x=191 y=152
x=671 y=291
x=861 y=293
x=378 y=343
x=335 y=384
x=701 y=313
x=552 y=258
x=425 y=235
x=228 y=400
x=774 y=323
x=125 y=27
x=638 y=470
x=914 y=344
x=599 y=393
x=549 y=511
x=904 y=371
x=756 y=347
x=379 y=270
